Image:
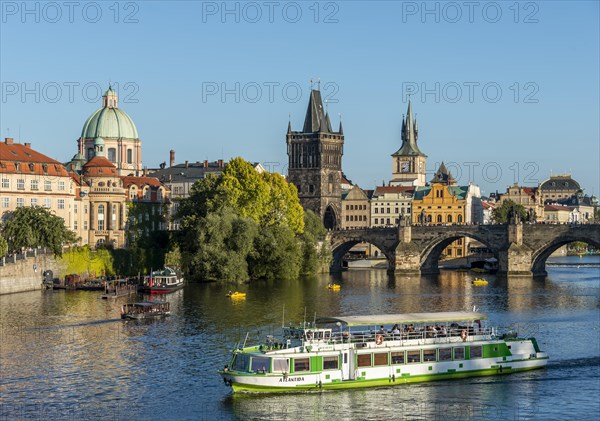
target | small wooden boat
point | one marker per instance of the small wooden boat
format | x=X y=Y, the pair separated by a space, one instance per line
x=479 y=282
x=145 y=310
x=236 y=294
x=334 y=287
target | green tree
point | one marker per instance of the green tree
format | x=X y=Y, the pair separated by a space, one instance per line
x=245 y=190
x=283 y=206
x=315 y=254
x=507 y=210
x=35 y=226
x=3 y=246
x=276 y=254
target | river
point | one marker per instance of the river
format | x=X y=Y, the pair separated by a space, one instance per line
x=67 y=355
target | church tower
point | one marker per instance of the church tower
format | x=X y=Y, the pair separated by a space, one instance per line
x=408 y=163
x=315 y=162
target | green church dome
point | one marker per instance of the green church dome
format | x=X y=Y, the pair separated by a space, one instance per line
x=109 y=122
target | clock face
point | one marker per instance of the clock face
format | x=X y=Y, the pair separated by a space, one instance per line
x=405 y=166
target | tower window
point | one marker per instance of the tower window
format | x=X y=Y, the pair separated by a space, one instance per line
x=129 y=156
x=112 y=154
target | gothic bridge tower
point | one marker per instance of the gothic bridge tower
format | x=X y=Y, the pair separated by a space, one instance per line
x=315 y=162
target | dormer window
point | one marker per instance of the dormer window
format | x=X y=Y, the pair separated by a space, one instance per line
x=18 y=166
x=31 y=166
x=45 y=168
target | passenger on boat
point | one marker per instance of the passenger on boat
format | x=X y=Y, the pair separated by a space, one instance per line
x=382 y=330
x=395 y=330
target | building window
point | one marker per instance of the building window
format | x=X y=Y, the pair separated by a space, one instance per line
x=61 y=185
x=129 y=156
x=34 y=202
x=20 y=184
x=75 y=224
x=5 y=183
x=61 y=203
x=85 y=209
x=75 y=207
x=439 y=219
x=449 y=219
x=34 y=185
x=5 y=202
x=85 y=225
x=47 y=185
x=460 y=219
x=100 y=217
x=112 y=155
x=47 y=203
x=20 y=202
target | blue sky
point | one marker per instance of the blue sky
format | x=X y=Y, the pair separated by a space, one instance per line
x=532 y=69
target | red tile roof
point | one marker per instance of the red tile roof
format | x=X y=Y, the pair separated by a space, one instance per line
x=99 y=166
x=28 y=161
x=394 y=189
x=141 y=181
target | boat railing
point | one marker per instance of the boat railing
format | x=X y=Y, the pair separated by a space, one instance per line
x=464 y=334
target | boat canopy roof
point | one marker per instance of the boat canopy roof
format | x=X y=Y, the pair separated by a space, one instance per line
x=405 y=318
x=148 y=303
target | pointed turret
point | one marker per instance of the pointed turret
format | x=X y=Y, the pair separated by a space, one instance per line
x=442 y=175
x=326 y=125
x=289 y=127
x=341 y=130
x=315 y=115
x=409 y=135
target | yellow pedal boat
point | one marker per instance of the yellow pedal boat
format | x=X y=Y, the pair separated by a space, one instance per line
x=334 y=287
x=236 y=294
x=479 y=282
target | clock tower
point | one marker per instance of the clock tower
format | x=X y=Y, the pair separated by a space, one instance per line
x=408 y=163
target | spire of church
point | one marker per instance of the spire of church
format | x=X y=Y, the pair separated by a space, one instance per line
x=409 y=134
x=315 y=115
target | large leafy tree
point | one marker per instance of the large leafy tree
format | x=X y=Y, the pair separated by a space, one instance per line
x=508 y=211
x=35 y=226
x=244 y=224
x=3 y=246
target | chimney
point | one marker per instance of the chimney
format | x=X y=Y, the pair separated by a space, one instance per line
x=206 y=163
x=28 y=145
x=172 y=157
x=9 y=140
x=145 y=173
x=220 y=163
x=186 y=164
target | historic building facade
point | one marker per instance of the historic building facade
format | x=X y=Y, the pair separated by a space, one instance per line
x=559 y=187
x=30 y=178
x=122 y=143
x=389 y=204
x=356 y=209
x=315 y=162
x=408 y=162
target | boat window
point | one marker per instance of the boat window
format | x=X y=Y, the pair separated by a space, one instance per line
x=398 y=357
x=262 y=364
x=330 y=363
x=363 y=360
x=459 y=353
x=301 y=364
x=445 y=354
x=476 y=352
x=413 y=356
x=241 y=362
x=428 y=355
x=281 y=364
x=380 y=358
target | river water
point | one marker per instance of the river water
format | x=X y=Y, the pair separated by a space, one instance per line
x=67 y=355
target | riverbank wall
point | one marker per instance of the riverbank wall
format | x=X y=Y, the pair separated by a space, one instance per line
x=25 y=273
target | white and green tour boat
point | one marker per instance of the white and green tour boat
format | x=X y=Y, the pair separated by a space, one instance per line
x=380 y=350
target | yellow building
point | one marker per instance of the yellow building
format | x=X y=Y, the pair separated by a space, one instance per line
x=444 y=203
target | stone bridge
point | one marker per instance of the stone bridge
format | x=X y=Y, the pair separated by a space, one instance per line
x=520 y=249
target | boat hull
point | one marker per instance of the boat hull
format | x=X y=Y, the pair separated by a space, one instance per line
x=314 y=382
x=159 y=290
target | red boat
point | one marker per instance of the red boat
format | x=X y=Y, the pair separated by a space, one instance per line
x=161 y=282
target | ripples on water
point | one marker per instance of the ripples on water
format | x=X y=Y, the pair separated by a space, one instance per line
x=66 y=355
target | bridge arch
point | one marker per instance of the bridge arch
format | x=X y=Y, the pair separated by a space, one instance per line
x=541 y=254
x=343 y=243
x=431 y=254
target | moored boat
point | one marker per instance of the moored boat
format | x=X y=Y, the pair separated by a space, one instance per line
x=344 y=353
x=145 y=310
x=161 y=282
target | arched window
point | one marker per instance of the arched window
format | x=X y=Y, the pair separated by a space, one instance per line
x=90 y=153
x=460 y=219
x=429 y=218
x=449 y=219
x=100 y=217
x=439 y=219
x=112 y=155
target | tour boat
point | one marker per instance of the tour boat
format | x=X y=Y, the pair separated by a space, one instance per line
x=145 y=310
x=479 y=282
x=334 y=287
x=162 y=282
x=236 y=294
x=343 y=353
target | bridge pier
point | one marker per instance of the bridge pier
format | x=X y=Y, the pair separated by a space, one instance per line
x=407 y=259
x=515 y=261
